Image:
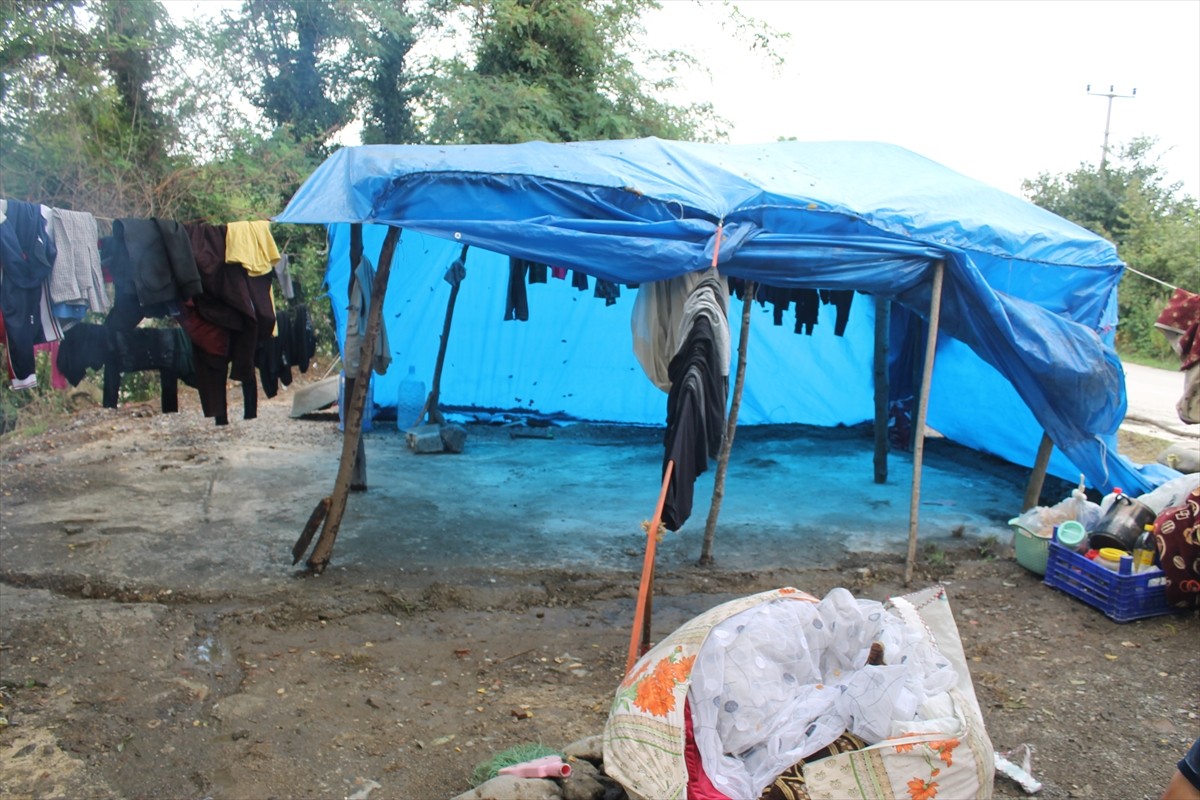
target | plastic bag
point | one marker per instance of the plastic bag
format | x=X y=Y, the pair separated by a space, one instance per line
x=1041 y=520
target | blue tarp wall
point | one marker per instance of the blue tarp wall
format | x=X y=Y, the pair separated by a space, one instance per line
x=1028 y=305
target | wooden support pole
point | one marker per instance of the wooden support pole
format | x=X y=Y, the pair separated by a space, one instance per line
x=432 y=403
x=358 y=476
x=1033 y=492
x=935 y=310
x=352 y=433
x=714 y=511
x=310 y=528
x=883 y=324
x=641 y=613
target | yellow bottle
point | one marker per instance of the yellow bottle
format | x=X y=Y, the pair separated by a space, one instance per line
x=1143 y=550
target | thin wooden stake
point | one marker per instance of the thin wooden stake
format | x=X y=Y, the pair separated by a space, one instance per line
x=352 y=433
x=935 y=310
x=714 y=511
x=435 y=390
x=883 y=324
x=1033 y=492
x=641 y=614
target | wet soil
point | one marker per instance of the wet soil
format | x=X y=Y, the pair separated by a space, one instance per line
x=156 y=640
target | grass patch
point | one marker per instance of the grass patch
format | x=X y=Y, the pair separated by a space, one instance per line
x=489 y=769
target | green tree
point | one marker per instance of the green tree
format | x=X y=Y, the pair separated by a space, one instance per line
x=558 y=70
x=79 y=114
x=391 y=88
x=1154 y=225
x=294 y=66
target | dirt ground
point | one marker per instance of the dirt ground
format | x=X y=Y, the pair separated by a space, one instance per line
x=154 y=646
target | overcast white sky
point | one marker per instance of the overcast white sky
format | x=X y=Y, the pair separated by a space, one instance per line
x=995 y=90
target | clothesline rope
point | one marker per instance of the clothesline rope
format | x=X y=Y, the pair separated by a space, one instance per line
x=1152 y=278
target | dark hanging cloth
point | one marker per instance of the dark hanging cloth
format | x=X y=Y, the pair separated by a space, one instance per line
x=608 y=290
x=161 y=263
x=26 y=259
x=579 y=280
x=302 y=340
x=841 y=300
x=695 y=418
x=83 y=347
x=538 y=272
x=237 y=303
x=779 y=299
x=808 y=306
x=167 y=351
x=516 y=304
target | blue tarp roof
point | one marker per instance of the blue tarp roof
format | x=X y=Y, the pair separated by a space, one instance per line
x=1028 y=305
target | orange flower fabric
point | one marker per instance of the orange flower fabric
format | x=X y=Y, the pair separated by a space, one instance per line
x=920 y=790
x=656 y=692
x=945 y=750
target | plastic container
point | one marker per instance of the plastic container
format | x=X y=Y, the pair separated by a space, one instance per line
x=1110 y=557
x=1122 y=595
x=368 y=408
x=1143 y=550
x=410 y=400
x=1030 y=547
x=1071 y=534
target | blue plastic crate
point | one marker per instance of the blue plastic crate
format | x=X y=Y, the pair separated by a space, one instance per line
x=1123 y=597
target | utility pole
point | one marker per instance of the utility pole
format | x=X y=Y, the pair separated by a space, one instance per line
x=1110 y=94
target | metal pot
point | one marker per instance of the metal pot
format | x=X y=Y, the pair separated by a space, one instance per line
x=1122 y=524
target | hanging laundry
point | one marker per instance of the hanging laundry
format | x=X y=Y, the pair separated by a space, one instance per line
x=695 y=418
x=284 y=276
x=237 y=304
x=579 y=280
x=607 y=290
x=76 y=279
x=841 y=299
x=26 y=260
x=251 y=245
x=808 y=306
x=1179 y=321
x=658 y=314
x=167 y=351
x=516 y=302
x=537 y=272
x=356 y=323
x=160 y=259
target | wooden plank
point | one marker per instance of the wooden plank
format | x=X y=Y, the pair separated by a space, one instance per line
x=935 y=310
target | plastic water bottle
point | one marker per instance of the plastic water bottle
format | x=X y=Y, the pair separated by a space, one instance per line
x=410 y=400
x=368 y=406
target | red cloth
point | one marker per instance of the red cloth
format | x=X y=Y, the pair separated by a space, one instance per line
x=699 y=787
x=1183 y=314
x=1177 y=538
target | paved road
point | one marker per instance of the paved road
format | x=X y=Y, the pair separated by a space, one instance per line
x=1152 y=396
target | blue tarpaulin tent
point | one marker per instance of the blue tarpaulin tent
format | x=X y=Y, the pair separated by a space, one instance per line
x=1028 y=306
